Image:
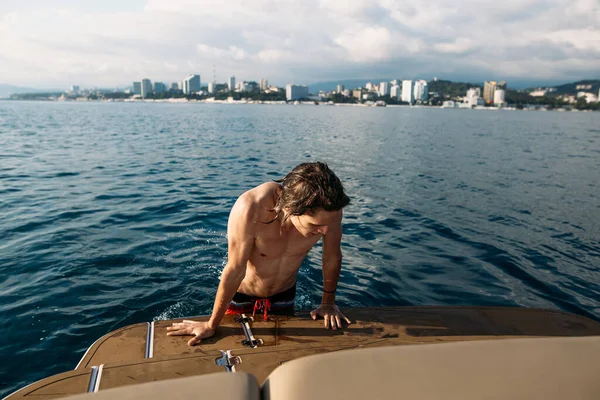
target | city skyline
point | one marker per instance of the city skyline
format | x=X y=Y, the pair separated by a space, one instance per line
x=110 y=43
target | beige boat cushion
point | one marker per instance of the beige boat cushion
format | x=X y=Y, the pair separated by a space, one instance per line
x=542 y=368
x=219 y=386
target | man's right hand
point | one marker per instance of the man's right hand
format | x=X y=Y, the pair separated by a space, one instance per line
x=200 y=330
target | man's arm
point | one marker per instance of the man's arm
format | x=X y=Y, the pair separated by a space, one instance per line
x=240 y=237
x=332 y=264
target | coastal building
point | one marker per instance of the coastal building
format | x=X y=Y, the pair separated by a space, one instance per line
x=369 y=86
x=159 y=87
x=384 y=89
x=174 y=86
x=395 y=92
x=396 y=82
x=474 y=92
x=191 y=84
x=146 y=88
x=421 y=91
x=368 y=96
x=449 y=104
x=245 y=86
x=137 y=88
x=296 y=92
x=589 y=97
x=538 y=93
x=340 y=89
x=489 y=88
x=473 y=98
x=407 y=92
x=499 y=97
x=346 y=92
x=211 y=87
x=264 y=84
x=75 y=89
x=357 y=94
x=231 y=83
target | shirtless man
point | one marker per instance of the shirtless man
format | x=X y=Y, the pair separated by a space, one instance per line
x=271 y=229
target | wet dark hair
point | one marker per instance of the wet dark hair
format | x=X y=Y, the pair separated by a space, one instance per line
x=308 y=187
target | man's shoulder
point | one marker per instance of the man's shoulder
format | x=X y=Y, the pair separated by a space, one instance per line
x=261 y=195
x=256 y=200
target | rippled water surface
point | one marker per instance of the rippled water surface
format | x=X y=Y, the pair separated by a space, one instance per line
x=113 y=214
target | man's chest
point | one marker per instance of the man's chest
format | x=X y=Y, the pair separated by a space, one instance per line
x=272 y=244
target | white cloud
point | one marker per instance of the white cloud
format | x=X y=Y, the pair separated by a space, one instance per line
x=366 y=43
x=583 y=39
x=458 y=46
x=287 y=40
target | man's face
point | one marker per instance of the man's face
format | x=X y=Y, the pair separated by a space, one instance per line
x=318 y=222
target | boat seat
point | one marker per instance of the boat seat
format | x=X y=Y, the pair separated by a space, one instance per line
x=535 y=369
x=217 y=386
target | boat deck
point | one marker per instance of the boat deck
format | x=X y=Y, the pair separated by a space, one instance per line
x=143 y=353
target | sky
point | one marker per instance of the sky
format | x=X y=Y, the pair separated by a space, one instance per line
x=108 y=43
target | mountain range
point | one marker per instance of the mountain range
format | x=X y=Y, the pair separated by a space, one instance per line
x=7 y=90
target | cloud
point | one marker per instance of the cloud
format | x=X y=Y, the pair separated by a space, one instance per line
x=458 y=46
x=104 y=44
x=366 y=43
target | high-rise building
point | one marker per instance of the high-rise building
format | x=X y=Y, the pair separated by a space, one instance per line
x=231 y=83
x=264 y=84
x=369 y=86
x=137 y=88
x=174 y=86
x=421 y=92
x=211 y=87
x=489 y=88
x=384 y=89
x=474 y=92
x=473 y=98
x=191 y=84
x=146 y=88
x=159 y=87
x=75 y=89
x=296 y=92
x=340 y=88
x=407 y=92
x=395 y=92
x=357 y=94
x=499 y=97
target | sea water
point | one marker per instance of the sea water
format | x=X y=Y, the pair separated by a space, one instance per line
x=116 y=213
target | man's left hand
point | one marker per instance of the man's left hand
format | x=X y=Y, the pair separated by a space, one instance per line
x=331 y=314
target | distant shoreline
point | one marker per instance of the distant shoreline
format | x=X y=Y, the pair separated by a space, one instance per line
x=304 y=103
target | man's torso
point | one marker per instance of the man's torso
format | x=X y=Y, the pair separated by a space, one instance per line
x=277 y=253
